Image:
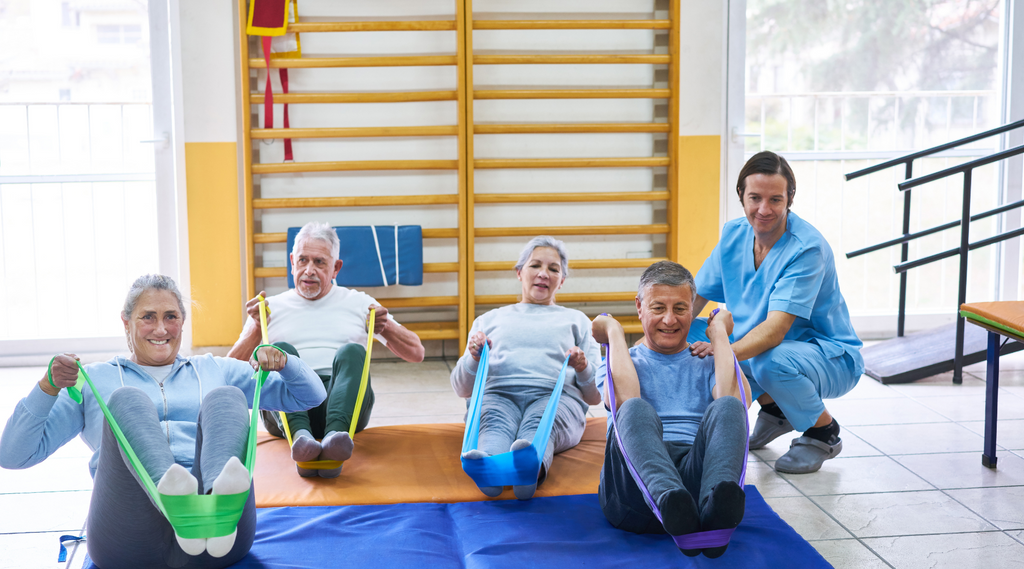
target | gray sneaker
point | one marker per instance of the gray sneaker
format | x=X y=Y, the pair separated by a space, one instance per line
x=806 y=455
x=768 y=428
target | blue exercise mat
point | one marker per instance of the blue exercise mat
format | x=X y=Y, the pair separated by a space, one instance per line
x=556 y=532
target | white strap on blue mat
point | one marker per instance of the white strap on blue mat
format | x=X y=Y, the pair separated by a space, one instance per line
x=376 y=243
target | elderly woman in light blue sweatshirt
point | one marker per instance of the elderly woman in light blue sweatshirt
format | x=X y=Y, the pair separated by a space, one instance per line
x=528 y=342
x=174 y=411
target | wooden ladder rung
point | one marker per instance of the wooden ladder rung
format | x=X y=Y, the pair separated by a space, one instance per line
x=354 y=166
x=354 y=201
x=355 y=132
x=443 y=233
x=569 y=128
x=482 y=94
x=418 y=301
x=281 y=272
x=651 y=229
x=576 y=264
x=435 y=330
x=572 y=59
x=369 y=61
x=561 y=298
x=380 y=26
x=572 y=24
x=572 y=197
x=653 y=162
x=382 y=97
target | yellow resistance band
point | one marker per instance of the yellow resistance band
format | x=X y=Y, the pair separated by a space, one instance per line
x=363 y=382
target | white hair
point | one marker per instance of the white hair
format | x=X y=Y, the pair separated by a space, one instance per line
x=150 y=282
x=320 y=232
x=544 y=241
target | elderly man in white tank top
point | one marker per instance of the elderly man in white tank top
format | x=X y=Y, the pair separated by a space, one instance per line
x=325 y=325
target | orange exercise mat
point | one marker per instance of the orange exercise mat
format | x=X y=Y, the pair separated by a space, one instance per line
x=411 y=463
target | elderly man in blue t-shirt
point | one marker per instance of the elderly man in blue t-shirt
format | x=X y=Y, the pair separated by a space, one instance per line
x=793 y=334
x=679 y=417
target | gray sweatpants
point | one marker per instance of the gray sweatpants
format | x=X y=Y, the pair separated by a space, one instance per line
x=716 y=455
x=125 y=529
x=513 y=413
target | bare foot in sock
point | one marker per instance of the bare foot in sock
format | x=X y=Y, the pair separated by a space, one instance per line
x=233 y=479
x=178 y=481
x=476 y=454
x=723 y=510
x=336 y=446
x=304 y=449
x=524 y=492
x=679 y=515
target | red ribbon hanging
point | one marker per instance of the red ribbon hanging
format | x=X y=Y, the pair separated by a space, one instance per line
x=268 y=99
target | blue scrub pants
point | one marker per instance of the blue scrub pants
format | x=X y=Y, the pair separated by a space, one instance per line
x=797 y=375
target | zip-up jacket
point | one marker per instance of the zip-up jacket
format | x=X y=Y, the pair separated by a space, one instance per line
x=42 y=423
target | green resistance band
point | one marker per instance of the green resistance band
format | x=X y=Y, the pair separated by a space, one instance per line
x=192 y=516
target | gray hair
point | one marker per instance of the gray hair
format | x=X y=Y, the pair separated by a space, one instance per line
x=544 y=241
x=666 y=273
x=150 y=282
x=320 y=232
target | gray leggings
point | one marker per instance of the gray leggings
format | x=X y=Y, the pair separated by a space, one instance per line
x=514 y=413
x=716 y=455
x=125 y=529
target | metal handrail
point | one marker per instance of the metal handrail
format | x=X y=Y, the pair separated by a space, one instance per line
x=924 y=233
x=908 y=163
x=983 y=161
x=935 y=149
x=904 y=267
x=967 y=169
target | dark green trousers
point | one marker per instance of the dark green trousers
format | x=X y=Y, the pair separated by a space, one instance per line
x=335 y=413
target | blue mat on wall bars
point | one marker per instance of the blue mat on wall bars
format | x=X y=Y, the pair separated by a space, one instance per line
x=557 y=532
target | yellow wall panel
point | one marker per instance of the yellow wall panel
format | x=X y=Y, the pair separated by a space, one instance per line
x=215 y=259
x=699 y=174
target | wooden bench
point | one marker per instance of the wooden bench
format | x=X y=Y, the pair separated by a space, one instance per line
x=1000 y=319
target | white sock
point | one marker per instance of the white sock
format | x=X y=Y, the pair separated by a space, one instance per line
x=524 y=492
x=477 y=454
x=179 y=482
x=233 y=479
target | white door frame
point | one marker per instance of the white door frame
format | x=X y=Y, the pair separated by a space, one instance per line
x=169 y=123
x=1012 y=171
x=734 y=137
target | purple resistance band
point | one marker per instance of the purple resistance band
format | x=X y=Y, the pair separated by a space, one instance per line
x=696 y=540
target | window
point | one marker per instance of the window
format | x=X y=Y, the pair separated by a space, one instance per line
x=118 y=34
x=77 y=187
x=833 y=90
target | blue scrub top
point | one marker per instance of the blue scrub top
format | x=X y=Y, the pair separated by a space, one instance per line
x=798 y=276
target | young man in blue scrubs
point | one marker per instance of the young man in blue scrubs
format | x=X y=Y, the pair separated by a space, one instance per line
x=777 y=275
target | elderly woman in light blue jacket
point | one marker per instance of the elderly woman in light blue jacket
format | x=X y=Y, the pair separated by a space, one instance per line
x=187 y=420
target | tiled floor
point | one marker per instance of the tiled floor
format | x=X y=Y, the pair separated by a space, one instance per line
x=908 y=490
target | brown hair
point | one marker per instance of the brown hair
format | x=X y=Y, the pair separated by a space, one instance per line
x=768 y=163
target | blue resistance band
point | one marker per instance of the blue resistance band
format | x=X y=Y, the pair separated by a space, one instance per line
x=513 y=468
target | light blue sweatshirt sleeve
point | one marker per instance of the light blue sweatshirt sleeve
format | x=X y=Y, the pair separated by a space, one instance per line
x=40 y=424
x=294 y=388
